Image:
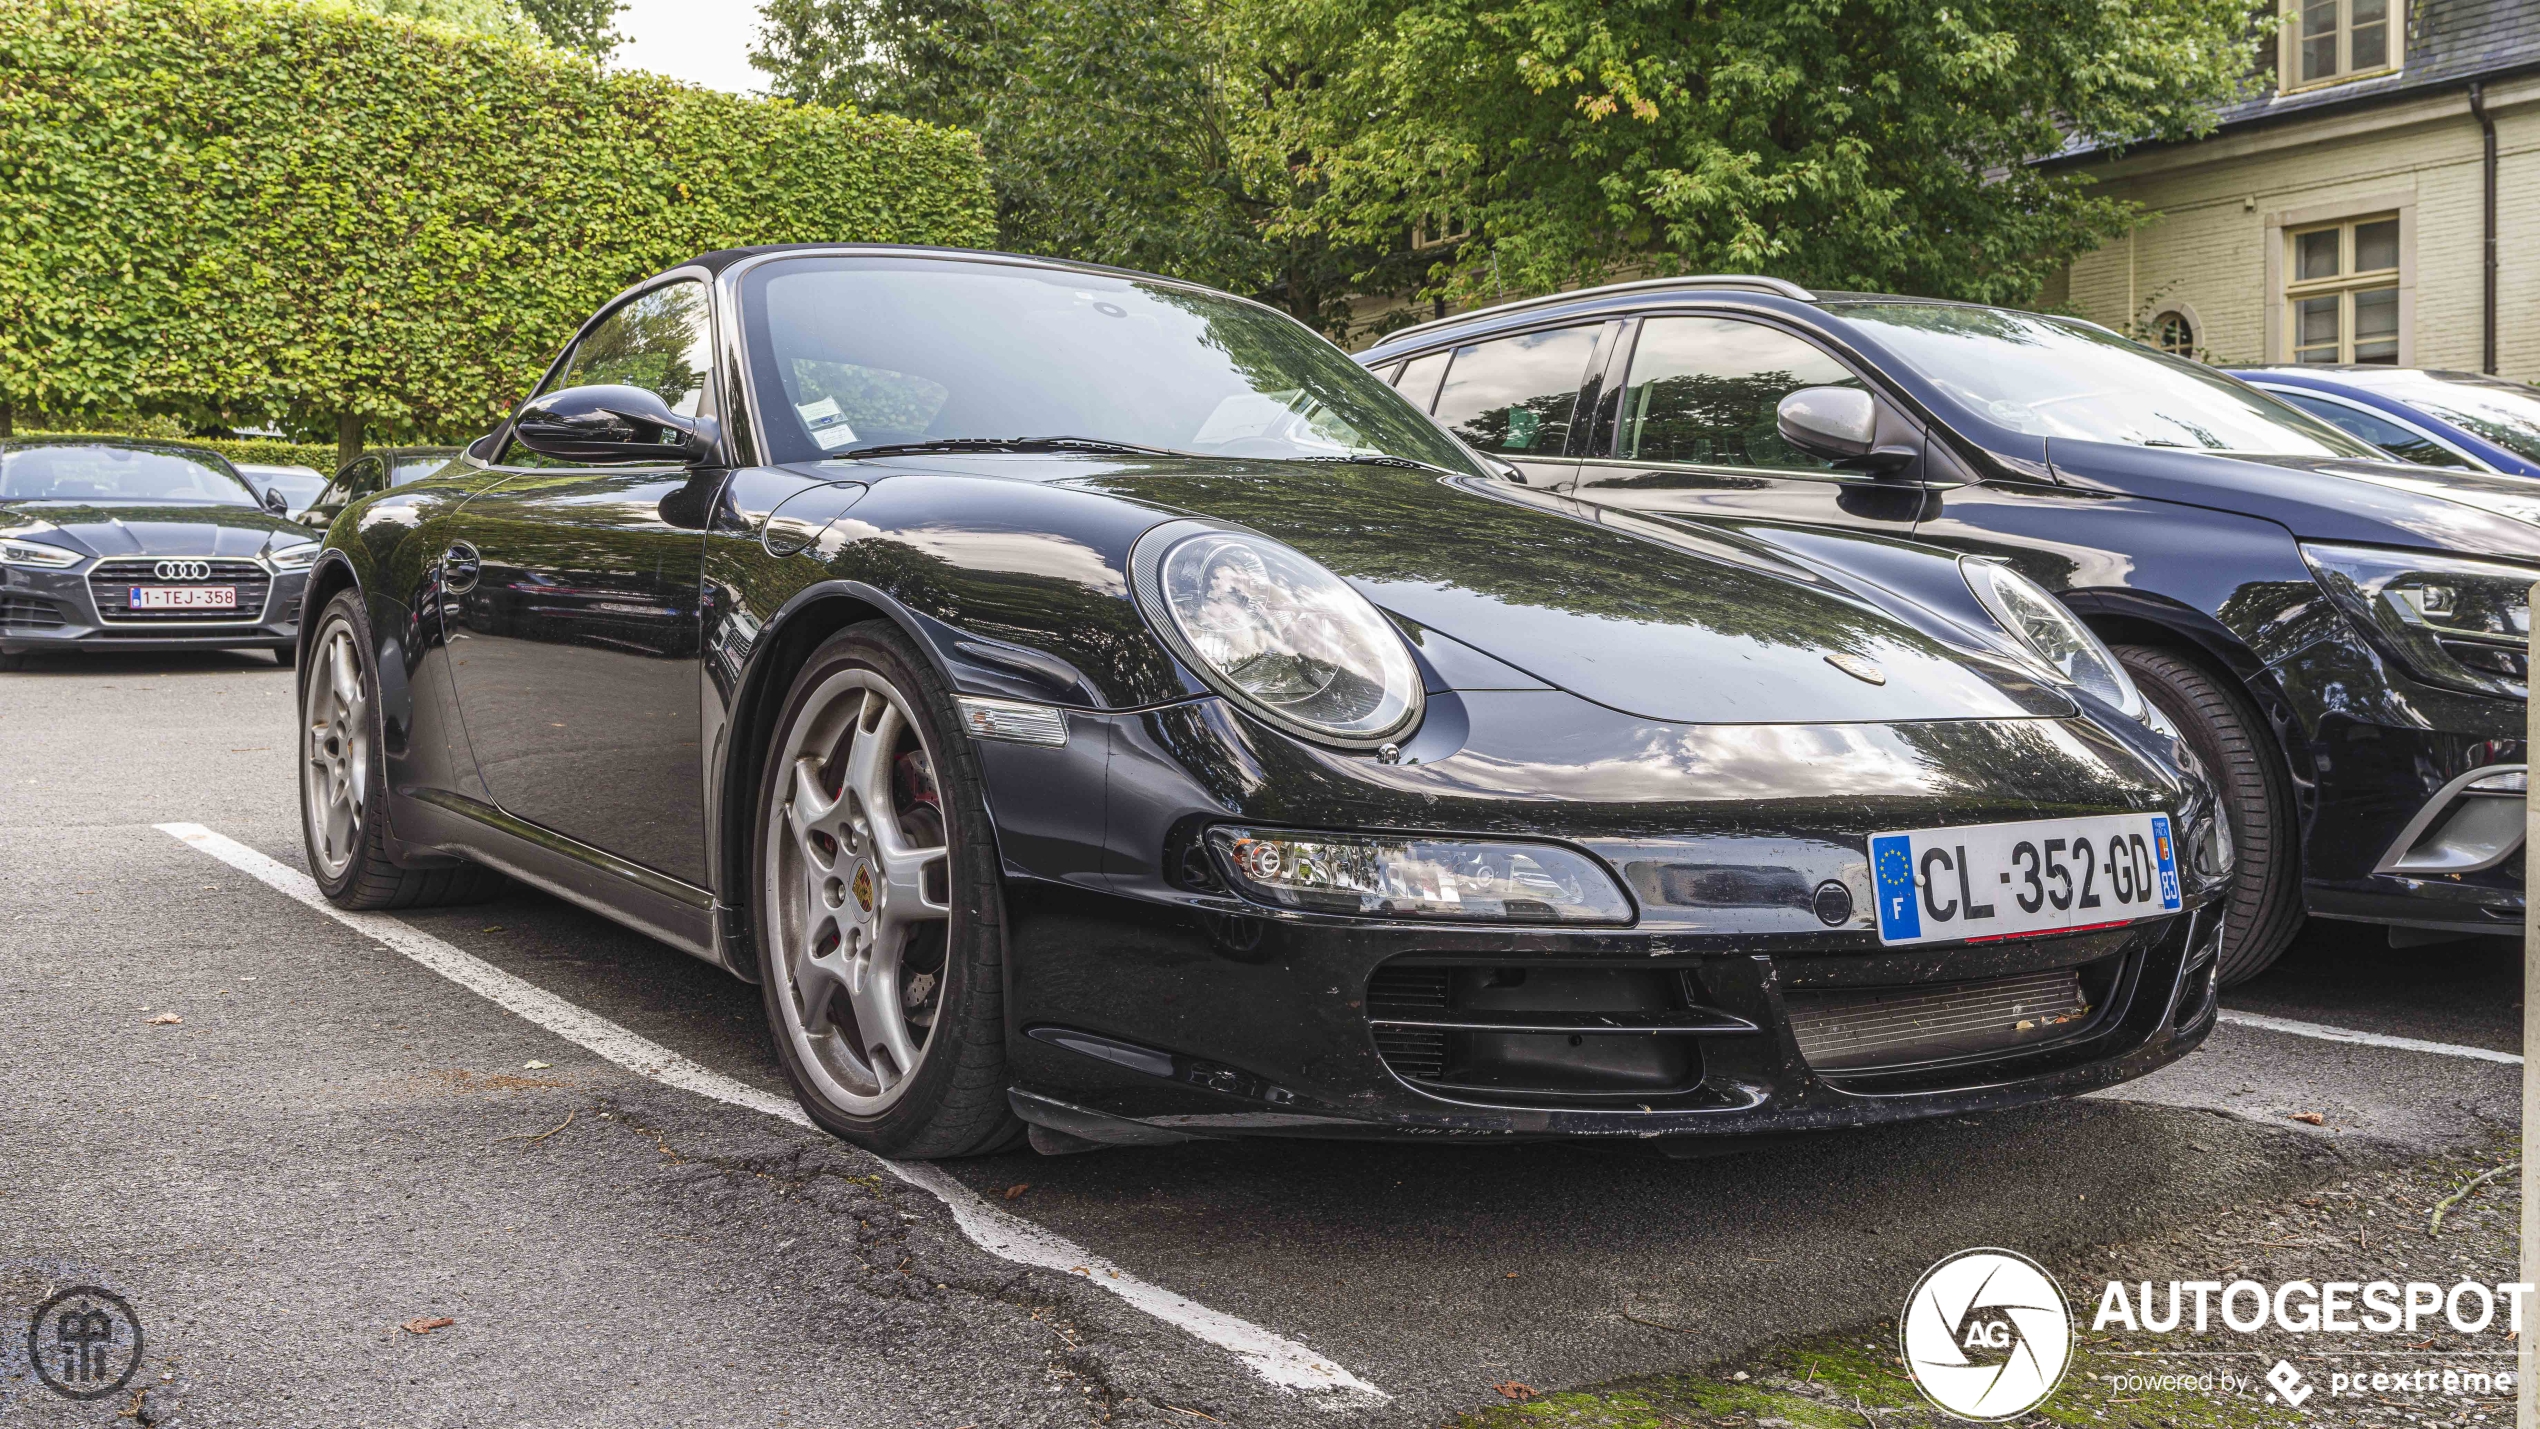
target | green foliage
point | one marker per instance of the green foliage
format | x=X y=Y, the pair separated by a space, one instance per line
x=1109 y=125
x=1880 y=144
x=314 y=456
x=240 y=212
x=586 y=26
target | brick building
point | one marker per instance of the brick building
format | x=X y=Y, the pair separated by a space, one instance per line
x=2347 y=212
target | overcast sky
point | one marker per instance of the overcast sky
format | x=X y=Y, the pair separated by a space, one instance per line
x=702 y=41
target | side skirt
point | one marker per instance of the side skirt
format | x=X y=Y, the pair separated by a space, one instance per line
x=654 y=904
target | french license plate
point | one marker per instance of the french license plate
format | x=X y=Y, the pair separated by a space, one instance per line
x=184 y=597
x=2003 y=880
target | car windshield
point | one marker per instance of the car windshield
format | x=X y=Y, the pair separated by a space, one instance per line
x=117 y=476
x=856 y=353
x=2506 y=413
x=2055 y=378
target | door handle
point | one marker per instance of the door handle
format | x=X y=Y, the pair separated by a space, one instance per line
x=459 y=567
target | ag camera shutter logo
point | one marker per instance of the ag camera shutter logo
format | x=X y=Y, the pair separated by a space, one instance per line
x=1986 y=1334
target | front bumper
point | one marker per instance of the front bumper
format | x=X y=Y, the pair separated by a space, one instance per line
x=1144 y=1002
x=1265 y=1028
x=2379 y=762
x=61 y=610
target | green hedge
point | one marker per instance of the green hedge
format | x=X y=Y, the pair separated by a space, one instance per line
x=262 y=451
x=238 y=210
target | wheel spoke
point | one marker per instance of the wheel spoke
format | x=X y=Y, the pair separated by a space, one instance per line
x=869 y=768
x=817 y=976
x=874 y=988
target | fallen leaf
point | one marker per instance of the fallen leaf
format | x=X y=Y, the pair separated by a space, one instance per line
x=494 y=928
x=1017 y=1189
x=1511 y=1389
x=2314 y=1118
x=535 y=1066
x=166 y=1019
x=421 y=1326
x=1510 y=1275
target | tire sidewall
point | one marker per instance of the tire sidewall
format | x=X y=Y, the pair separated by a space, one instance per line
x=973 y=945
x=346 y=605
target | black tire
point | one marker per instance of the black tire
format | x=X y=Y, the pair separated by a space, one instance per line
x=368 y=878
x=2226 y=732
x=954 y=1103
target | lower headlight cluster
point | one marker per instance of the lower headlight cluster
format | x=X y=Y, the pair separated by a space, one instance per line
x=297 y=557
x=2456 y=622
x=1409 y=877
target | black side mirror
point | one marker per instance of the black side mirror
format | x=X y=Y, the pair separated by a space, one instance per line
x=614 y=424
x=1840 y=425
x=276 y=502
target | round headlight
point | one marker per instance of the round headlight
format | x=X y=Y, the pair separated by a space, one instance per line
x=1283 y=636
x=2055 y=635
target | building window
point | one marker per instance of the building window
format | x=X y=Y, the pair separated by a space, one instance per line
x=2331 y=40
x=2344 y=293
x=2174 y=334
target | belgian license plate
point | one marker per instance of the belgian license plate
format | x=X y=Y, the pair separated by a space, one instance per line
x=184 y=597
x=2003 y=880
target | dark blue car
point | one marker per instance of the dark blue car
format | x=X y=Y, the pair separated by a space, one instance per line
x=2339 y=636
x=2454 y=419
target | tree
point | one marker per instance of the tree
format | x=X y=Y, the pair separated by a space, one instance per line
x=584 y=26
x=1879 y=144
x=1109 y=125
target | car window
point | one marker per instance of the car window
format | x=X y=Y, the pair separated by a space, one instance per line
x=416 y=469
x=1418 y=382
x=858 y=352
x=1709 y=390
x=2060 y=379
x=2506 y=413
x=2380 y=431
x=658 y=340
x=119 y=476
x=1513 y=395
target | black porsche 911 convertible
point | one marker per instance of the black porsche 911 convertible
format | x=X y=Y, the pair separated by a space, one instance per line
x=1094 y=708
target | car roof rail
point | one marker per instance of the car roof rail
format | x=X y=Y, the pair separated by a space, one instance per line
x=1750 y=282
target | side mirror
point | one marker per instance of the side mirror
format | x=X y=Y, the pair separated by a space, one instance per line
x=276 y=502
x=1840 y=425
x=614 y=424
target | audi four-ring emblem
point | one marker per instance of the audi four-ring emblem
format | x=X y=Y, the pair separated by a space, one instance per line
x=183 y=570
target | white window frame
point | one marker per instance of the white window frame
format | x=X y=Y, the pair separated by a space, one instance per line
x=2282 y=288
x=2289 y=47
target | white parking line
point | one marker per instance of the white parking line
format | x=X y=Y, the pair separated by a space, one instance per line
x=2326 y=1033
x=1283 y=1362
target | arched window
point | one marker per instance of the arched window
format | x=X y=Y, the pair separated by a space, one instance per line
x=2173 y=333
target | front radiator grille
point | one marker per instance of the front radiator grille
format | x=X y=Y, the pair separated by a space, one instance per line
x=1418 y=1053
x=1894 y=1026
x=112 y=581
x=29 y=614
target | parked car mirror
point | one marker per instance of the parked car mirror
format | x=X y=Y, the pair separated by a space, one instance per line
x=1837 y=423
x=611 y=423
x=276 y=502
x=1840 y=425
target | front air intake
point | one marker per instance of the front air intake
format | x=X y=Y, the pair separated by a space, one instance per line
x=1852 y=1031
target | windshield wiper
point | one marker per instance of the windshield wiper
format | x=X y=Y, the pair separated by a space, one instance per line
x=1376 y=459
x=1006 y=444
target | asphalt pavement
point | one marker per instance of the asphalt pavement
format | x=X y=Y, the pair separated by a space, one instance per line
x=336 y=1142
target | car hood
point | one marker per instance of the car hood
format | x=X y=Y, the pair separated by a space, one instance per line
x=232 y=531
x=1686 y=624
x=2370 y=503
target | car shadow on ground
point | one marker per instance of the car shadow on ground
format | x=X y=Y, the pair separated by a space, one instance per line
x=146 y=662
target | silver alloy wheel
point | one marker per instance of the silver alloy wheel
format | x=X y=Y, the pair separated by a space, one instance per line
x=858 y=899
x=335 y=743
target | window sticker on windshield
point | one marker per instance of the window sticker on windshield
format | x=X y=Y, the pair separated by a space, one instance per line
x=828 y=424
